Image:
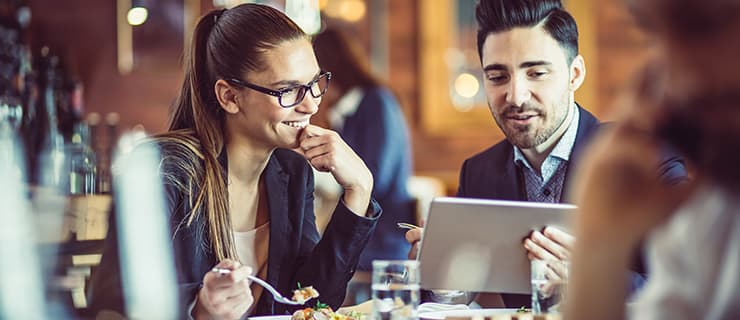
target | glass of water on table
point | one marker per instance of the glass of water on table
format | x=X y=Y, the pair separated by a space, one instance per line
x=549 y=280
x=395 y=289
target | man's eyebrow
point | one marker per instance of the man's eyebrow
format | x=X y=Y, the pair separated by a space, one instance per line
x=529 y=64
x=523 y=65
x=495 y=67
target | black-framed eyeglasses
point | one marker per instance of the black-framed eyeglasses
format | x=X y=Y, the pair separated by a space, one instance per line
x=293 y=95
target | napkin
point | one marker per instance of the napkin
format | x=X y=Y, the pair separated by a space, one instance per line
x=432 y=307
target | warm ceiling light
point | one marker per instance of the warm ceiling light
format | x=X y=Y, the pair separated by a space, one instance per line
x=466 y=85
x=137 y=16
x=352 y=10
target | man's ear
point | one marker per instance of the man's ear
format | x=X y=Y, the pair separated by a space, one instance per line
x=227 y=96
x=577 y=73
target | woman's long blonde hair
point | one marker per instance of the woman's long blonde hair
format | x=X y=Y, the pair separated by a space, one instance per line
x=226 y=44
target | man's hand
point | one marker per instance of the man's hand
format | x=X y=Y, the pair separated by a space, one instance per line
x=551 y=244
x=413 y=236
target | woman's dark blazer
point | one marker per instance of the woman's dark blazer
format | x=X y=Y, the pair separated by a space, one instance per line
x=297 y=253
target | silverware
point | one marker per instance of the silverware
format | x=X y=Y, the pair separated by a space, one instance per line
x=404 y=225
x=275 y=294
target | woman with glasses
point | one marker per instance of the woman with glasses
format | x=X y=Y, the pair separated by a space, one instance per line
x=237 y=168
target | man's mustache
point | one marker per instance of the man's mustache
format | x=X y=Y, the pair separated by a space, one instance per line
x=511 y=110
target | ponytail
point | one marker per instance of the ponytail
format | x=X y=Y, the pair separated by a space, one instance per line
x=197 y=110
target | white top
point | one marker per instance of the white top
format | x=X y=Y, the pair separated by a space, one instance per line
x=252 y=248
x=694 y=262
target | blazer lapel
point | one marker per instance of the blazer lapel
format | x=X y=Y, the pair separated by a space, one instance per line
x=508 y=186
x=588 y=125
x=276 y=185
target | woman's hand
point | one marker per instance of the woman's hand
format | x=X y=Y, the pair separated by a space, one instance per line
x=326 y=151
x=224 y=296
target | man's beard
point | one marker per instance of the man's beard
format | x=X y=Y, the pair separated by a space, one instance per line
x=522 y=136
x=706 y=132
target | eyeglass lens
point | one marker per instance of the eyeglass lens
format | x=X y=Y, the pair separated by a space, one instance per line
x=295 y=95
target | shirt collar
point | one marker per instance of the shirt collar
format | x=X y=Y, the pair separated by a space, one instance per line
x=564 y=146
x=345 y=107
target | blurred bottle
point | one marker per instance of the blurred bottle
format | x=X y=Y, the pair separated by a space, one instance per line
x=32 y=122
x=11 y=111
x=104 y=151
x=82 y=160
x=51 y=168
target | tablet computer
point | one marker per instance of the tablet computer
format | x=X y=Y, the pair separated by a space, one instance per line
x=476 y=245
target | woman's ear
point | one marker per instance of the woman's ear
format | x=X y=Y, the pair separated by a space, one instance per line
x=577 y=73
x=227 y=96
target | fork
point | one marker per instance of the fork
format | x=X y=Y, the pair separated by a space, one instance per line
x=404 y=225
x=275 y=294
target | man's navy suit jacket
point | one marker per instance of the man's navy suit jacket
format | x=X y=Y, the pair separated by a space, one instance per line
x=492 y=174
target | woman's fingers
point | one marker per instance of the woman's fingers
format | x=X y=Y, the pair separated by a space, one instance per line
x=226 y=291
x=313 y=136
x=235 y=306
x=326 y=151
x=234 y=276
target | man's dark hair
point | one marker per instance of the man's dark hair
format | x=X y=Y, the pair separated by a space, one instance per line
x=503 y=15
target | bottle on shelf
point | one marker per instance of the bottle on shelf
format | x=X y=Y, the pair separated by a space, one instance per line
x=82 y=160
x=51 y=167
x=105 y=152
x=11 y=111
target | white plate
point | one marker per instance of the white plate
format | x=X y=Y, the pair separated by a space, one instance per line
x=285 y=317
x=440 y=315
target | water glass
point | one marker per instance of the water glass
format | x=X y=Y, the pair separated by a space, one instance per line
x=549 y=285
x=395 y=289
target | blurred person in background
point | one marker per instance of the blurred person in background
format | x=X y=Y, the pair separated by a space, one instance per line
x=687 y=95
x=369 y=118
x=236 y=165
x=532 y=69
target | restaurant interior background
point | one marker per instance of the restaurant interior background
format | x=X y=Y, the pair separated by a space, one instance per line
x=424 y=49
x=124 y=66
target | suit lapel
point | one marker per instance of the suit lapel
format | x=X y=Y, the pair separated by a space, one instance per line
x=587 y=128
x=276 y=187
x=506 y=184
x=511 y=179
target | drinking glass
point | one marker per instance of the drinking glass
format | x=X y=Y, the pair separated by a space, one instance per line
x=395 y=289
x=549 y=285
